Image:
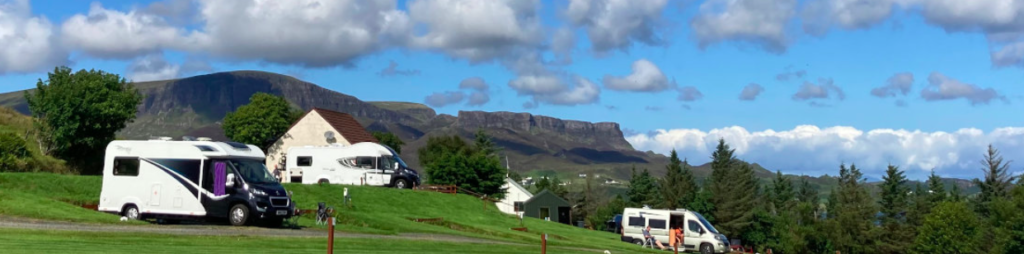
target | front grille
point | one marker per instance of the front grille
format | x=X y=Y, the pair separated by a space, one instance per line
x=279 y=202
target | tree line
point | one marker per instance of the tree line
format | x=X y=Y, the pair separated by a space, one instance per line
x=788 y=216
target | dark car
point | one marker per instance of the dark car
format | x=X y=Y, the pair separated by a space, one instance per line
x=614 y=225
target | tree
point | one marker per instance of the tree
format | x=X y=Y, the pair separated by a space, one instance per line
x=855 y=213
x=12 y=151
x=955 y=194
x=678 y=187
x=262 y=121
x=783 y=197
x=951 y=228
x=936 y=189
x=390 y=140
x=997 y=179
x=893 y=206
x=920 y=206
x=79 y=113
x=642 y=188
x=702 y=204
x=734 y=190
x=449 y=160
x=541 y=185
x=808 y=206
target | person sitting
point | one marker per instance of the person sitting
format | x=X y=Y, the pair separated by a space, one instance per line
x=648 y=237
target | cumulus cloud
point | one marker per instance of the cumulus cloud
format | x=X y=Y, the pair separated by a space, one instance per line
x=941 y=87
x=646 y=77
x=308 y=33
x=762 y=22
x=562 y=44
x=615 y=24
x=477 y=30
x=479 y=91
x=825 y=89
x=751 y=91
x=790 y=74
x=546 y=86
x=392 y=70
x=899 y=83
x=442 y=99
x=819 y=16
x=152 y=67
x=27 y=43
x=108 y=33
x=1001 y=20
x=690 y=93
x=811 y=150
x=1008 y=55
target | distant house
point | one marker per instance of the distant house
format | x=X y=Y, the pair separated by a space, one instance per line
x=583 y=175
x=515 y=198
x=610 y=181
x=548 y=206
x=318 y=127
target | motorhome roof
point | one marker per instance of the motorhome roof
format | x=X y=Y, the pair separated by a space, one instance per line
x=184 y=149
x=358 y=149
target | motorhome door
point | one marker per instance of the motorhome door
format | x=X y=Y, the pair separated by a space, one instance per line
x=371 y=172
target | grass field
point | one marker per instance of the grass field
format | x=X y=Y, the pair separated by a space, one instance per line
x=374 y=210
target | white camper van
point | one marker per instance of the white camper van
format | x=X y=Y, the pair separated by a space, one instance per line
x=364 y=163
x=698 y=233
x=175 y=180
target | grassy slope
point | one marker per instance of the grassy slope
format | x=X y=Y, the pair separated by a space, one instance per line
x=375 y=210
x=39 y=241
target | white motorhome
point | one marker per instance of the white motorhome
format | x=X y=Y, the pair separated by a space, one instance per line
x=364 y=163
x=699 y=234
x=174 y=180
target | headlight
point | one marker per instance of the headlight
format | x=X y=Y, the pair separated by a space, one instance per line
x=258 y=192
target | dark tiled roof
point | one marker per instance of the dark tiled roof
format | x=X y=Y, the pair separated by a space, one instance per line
x=348 y=127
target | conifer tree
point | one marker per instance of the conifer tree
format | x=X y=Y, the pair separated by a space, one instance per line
x=936 y=189
x=998 y=180
x=896 y=234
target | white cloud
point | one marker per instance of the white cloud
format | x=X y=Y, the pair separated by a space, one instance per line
x=689 y=93
x=309 y=33
x=474 y=83
x=751 y=91
x=811 y=150
x=152 y=67
x=108 y=33
x=974 y=15
x=555 y=90
x=562 y=44
x=27 y=43
x=825 y=89
x=820 y=15
x=762 y=22
x=615 y=24
x=477 y=30
x=941 y=87
x=646 y=77
x=899 y=83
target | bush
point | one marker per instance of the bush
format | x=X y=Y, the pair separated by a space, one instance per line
x=12 y=152
x=951 y=228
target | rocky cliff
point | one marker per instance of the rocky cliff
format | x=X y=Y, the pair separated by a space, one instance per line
x=604 y=135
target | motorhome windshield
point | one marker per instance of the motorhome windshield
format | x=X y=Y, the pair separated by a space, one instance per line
x=253 y=171
x=706 y=223
x=394 y=157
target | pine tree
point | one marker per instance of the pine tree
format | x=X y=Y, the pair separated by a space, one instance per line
x=735 y=207
x=893 y=207
x=642 y=189
x=920 y=206
x=997 y=180
x=808 y=203
x=936 y=189
x=855 y=213
x=672 y=189
x=783 y=196
x=955 y=194
x=702 y=204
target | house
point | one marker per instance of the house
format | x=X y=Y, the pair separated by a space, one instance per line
x=515 y=197
x=318 y=127
x=547 y=206
x=583 y=175
x=610 y=181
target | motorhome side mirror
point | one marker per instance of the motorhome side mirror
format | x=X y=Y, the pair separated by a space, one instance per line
x=702 y=231
x=231 y=180
x=396 y=166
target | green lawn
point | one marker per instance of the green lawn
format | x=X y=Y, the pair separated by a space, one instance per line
x=375 y=210
x=47 y=241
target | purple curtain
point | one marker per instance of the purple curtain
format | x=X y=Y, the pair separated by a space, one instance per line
x=220 y=178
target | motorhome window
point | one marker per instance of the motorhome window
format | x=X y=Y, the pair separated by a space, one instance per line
x=348 y=162
x=656 y=224
x=707 y=225
x=304 y=161
x=365 y=162
x=693 y=226
x=396 y=157
x=253 y=171
x=185 y=167
x=636 y=221
x=210 y=176
x=126 y=166
x=386 y=162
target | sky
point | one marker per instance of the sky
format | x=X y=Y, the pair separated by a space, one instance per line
x=797 y=86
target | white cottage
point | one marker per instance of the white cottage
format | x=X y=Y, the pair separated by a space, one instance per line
x=318 y=127
x=514 y=194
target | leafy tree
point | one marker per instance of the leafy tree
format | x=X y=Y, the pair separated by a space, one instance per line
x=390 y=140
x=951 y=228
x=79 y=113
x=936 y=189
x=894 y=196
x=541 y=185
x=678 y=187
x=998 y=179
x=449 y=160
x=642 y=188
x=262 y=121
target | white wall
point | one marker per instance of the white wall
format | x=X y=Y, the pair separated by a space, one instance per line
x=512 y=195
x=309 y=131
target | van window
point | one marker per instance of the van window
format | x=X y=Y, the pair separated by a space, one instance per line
x=365 y=162
x=126 y=166
x=656 y=224
x=636 y=221
x=304 y=161
x=184 y=167
x=693 y=226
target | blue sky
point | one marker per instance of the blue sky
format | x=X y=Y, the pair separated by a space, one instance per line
x=965 y=66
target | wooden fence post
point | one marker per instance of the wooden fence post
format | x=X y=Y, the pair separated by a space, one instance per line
x=330 y=236
x=543 y=243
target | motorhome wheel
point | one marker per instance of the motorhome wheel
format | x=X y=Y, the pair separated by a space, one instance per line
x=706 y=249
x=132 y=212
x=401 y=184
x=239 y=215
x=638 y=242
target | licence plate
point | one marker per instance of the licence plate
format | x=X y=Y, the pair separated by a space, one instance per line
x=282 y=212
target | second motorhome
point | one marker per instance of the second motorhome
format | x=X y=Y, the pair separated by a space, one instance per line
x=359 y=164
x=699 y=234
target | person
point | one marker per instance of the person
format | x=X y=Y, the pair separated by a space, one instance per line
x=647 y=236
x=675 y=236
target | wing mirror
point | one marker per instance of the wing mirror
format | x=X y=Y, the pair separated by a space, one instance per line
x=396 y=166
x=702 y=231
x=231 y=180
